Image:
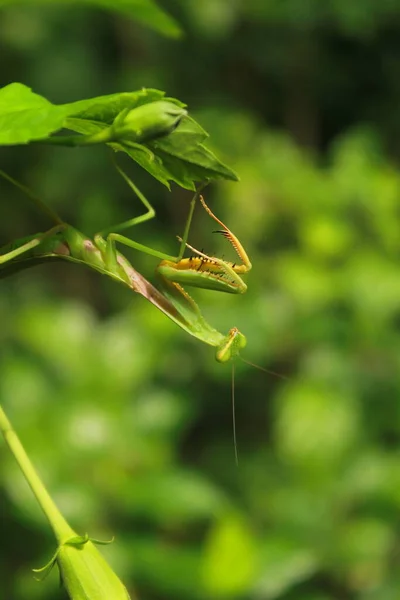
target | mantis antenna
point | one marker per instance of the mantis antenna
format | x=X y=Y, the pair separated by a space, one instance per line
x=234 y=415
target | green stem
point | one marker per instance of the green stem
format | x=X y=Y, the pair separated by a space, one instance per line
x=101 y=137
x=61 y=529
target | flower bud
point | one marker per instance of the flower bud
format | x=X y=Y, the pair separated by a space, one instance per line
x=147 y=122
x=84 y=572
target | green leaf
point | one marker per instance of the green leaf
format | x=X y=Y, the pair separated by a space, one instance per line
x=144 y=11
x=184 y=155
x=26 y=116
x=283 y=563
x=230 y=558
x=106 y=108
x=179 y=156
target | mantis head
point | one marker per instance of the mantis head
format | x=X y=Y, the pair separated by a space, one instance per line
x=231 y=346
x=228 y=349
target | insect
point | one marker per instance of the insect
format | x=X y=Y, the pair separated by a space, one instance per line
x=200 y=270
x=100 y=253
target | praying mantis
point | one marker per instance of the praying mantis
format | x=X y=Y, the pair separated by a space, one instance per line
x=173 y=272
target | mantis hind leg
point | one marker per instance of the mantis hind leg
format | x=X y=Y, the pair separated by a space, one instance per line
x=116 y=237
x=19 y=250
x=149 y=214
x=27 y=244
x=111 y=235
x=35 y=199
x=23 y=247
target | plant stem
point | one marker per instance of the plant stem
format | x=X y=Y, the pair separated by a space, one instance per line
x=100 y=137
x=61 y=529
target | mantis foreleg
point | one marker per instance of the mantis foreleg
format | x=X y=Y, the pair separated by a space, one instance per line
x=210 y=272
x=201 y=271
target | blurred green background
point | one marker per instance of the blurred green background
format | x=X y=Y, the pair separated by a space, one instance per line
x=126 y=417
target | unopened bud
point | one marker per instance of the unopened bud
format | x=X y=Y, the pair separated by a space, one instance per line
x=84 y=572
x=147 y=122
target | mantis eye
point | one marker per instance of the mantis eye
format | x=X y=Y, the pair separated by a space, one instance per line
x=223 y=354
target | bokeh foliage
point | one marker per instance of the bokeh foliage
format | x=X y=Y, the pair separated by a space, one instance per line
x=128 y=419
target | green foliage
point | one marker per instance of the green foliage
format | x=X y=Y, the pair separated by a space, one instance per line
x=317 y=486
x=179 y=156
x=144 y=11
x=352 y=17
x=126 y=417
x=19 y=107
x=230 y=557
